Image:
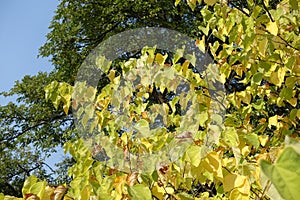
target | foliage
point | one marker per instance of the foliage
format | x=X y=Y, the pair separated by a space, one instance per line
x=256 y=50
x=77 y=27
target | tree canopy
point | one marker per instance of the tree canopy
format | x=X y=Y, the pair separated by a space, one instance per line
x=254 y=47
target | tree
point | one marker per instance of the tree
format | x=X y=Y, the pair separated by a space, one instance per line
x=76 y=29
x=256 y=49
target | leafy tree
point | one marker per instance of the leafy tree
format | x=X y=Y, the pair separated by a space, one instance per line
x=76 y=29
x=255 y=46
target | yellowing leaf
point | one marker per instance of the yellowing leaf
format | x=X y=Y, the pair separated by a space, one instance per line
x=212 y=164
x=273 y=121
x=210 y=2
x=236 y=194
x=201 y=44
x=119 y=184
x=203 y=118
x=160 y=59
x=139 y=192
x=177 y=2
x=262 y=46
x=85 y=193
x=169 y=190
x=111 y=75
x=263 y=139
x=277 y=77
x=294 y=4
x=272 y=28
x=230 y=137
x=158 y=192
x=192 y=4
x=193 y=155
x=232 y=181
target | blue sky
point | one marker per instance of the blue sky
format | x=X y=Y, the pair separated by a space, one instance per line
x=23 y=29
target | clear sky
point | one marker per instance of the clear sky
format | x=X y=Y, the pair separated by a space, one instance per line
x=23 y=28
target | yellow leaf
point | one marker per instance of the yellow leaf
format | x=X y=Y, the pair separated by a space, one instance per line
x=272 y=28
x=158 y=192
x=177 y=2
x=119 y=184
x=201 y=44
x=263 y=139
x=210 y=2
x=273 y=121
x=85 y=193
x=192 y=4
x=160 y=59
x=235 y=181
x=111 y=75
x=298 y=113
x=277 y=77
x=212 y=164
x=235 y=194
x=245 y=188
x=169 y=190
x=293 y=101
x=262 y=46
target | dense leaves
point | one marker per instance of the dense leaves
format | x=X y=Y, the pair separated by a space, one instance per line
x=255 y=47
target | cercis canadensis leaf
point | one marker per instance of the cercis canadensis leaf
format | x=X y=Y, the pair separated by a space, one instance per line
x=285 y=173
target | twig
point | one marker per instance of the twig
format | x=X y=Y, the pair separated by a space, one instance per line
x=266 y=9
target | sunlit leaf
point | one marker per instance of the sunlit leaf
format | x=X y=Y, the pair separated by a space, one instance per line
x=139 y=192
x=272 y=28
x=285 y=173
x=210 y=2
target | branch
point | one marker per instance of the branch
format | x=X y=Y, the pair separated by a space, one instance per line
x=27 y=171
x=238 y=8
x=18 y=134
x=51 y=169
x=266 y=9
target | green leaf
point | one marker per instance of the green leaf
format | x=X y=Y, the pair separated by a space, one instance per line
x=192 y=155
x=139 y=192
x=28 y=183
x=143 y=127
x=252 y=138
x=185 y=196
x=38 y=188
x=230 y=137
x=286 y=93
x=294 y=4
x=285 y=173
x=291 y=81
x=258 y=77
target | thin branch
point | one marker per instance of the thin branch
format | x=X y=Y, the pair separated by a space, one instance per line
x=51 y=169
x=266 y=9
x=268 y=185
x=238 y=8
